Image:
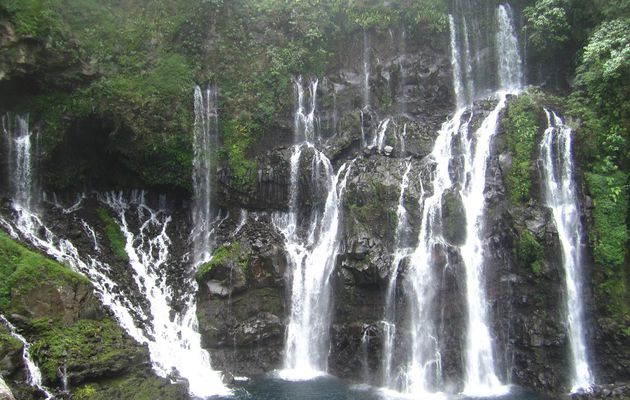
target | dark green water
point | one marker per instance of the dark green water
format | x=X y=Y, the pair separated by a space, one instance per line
x=329 y=388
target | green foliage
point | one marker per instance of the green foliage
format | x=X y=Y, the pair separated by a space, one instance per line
x=34 y=18
x=547 y=25
x=238 y=134
x=8 y=344
x=530 y=252
x=116 y=238
x=86 y=392
x=605 y=69
x=230 y=252
x=609 y=235
x=428 y=14
x=521 y=125
x=21 y=270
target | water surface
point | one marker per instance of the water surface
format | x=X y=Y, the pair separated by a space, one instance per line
x=330 y=388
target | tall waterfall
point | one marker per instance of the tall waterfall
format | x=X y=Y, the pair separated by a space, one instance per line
x=366 y=69
x=173 y=342
x=204 y=147
x=481 y=376
x=459 y=159
x=561 y=197
x=312 y=245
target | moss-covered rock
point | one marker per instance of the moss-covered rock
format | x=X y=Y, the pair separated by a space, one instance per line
x=131 y=387
x=86 y=350
x=33 y=286
x=225 y=273
x=70 y=333
x=117 y=240
x=530 y=251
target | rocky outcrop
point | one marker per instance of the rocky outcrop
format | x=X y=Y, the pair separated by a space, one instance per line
x=74 y=340
x=241 y=299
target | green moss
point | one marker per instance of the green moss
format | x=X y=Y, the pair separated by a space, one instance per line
x=238 y=135
x=521 y=126
x=21 y=270
x=609 y=236
x=117 y=240
x=221 y=256
x=530 y=251
x=86 y=392
x=131 y=387
x=86 y=344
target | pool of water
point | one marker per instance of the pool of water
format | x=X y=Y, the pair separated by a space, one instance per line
x=330 y=388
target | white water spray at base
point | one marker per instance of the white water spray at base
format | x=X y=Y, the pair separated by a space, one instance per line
x=174 y=343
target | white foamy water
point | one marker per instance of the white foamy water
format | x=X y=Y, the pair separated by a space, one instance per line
x=34 y=373
x=561 y=197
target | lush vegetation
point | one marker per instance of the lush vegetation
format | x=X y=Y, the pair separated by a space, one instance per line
x=590 y=40
x=521 y=123
x=135 y=63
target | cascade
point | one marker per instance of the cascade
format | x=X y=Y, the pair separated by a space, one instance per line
x=173 y=342
x=400 y=253
x=379 y=139
x=561 y=197
x=510 y=70
x=481 y=377
x=366 y=70
x=204 y=145
x=421 y=373
x=19 y=137
x=34 y=373
x=312 y=251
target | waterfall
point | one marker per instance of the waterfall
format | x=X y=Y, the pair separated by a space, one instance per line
x=481 y=377
x=401 y=251
x=34 y=373
x=311 y=252
x=379 y=139
x=458 y=77
x=304 y=117
x=510 y=69
x=19 y=137
x=460 y=158
x=366 y=70
x=561 y=197
x=204 y=145
x=173 y=342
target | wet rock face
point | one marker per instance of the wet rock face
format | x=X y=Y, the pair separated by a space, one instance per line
x=241 y=300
